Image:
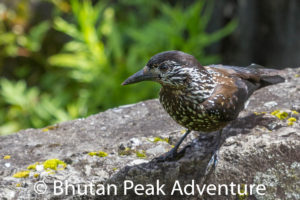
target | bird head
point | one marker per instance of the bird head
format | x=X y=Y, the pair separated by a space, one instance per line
x=169 y=68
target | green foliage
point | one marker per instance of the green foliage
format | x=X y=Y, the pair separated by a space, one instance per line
x=16 y=40
x=27 y=107
x=178 y=28
x=106 y=42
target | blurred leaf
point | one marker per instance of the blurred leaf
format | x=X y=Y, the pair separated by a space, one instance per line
x=9 y=127
x=69 y=60
x=36 y=35
x=77 y=70
x=16 y=93
x=69 y=29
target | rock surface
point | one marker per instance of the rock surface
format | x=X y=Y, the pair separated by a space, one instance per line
x=257 y=148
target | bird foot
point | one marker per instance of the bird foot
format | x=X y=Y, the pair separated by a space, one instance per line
x=171 y=155
x=205 y=137
x=212 y=163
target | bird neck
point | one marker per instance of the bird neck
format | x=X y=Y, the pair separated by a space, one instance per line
x=197 y=87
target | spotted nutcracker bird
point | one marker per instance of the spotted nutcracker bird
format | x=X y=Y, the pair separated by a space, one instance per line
x=202 y=98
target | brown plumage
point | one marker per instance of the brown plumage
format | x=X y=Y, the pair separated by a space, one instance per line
x=202 y=98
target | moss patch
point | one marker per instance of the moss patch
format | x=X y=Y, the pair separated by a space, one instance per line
x=126 y=152
x=141 y=154
x=157 y=139
x=48 y=128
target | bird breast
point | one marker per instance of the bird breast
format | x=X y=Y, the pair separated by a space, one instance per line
x=188 y=110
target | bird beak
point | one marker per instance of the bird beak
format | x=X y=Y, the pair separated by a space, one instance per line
x=142 y=75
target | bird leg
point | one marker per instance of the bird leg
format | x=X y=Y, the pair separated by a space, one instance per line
x=173 y=154
x=214 y=159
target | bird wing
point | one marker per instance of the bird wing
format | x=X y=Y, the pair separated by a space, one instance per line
x=254 y=73
x=234 y=86
x=250 y=73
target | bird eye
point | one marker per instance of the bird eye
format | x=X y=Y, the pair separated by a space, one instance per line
x=163 y=67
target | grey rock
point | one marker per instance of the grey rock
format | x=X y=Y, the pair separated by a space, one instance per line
x=257 y=148
x=160 y=149
x=270 y=104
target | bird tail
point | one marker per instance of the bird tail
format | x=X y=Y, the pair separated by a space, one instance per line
x=268 y=76
x=271 y=80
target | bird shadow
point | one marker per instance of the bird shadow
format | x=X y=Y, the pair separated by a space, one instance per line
x=195 y=160
x=242 y=125
x=245 y=125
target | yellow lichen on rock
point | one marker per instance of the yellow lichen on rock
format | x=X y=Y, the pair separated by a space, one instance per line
x=54 y=163
x=283 y=115
x=280 y=114
x=21 y=174
x=291 y=121
x=259 y=113
x=98 y=153
x=33 y=166
x=295 y=112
